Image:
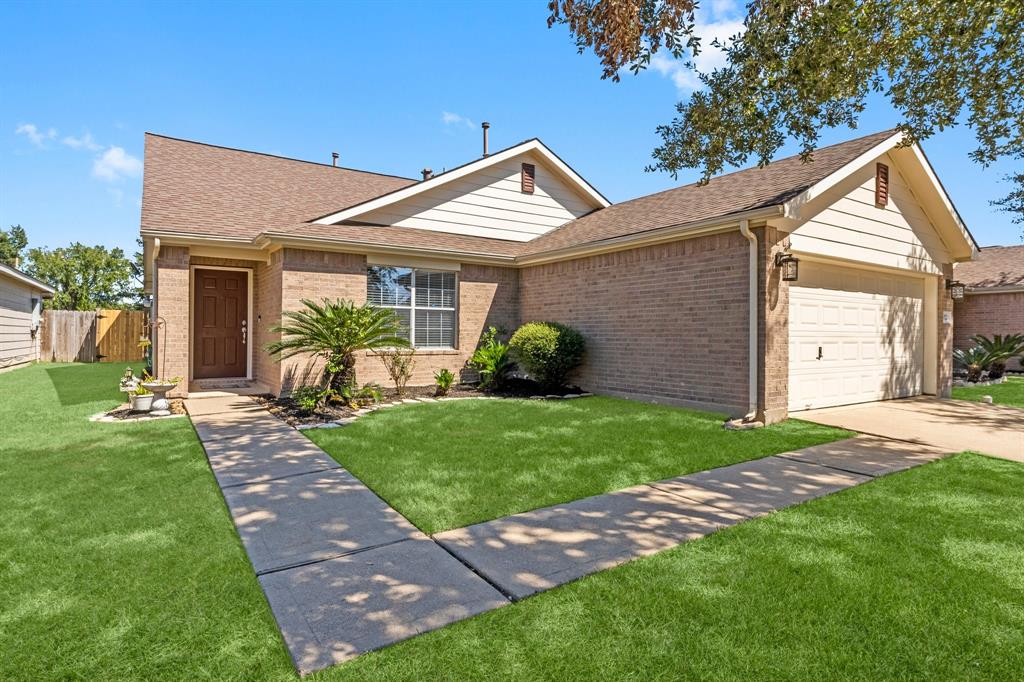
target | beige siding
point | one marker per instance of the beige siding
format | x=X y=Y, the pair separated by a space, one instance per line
x=17 y=345
x=489 y=203
x=845 y=223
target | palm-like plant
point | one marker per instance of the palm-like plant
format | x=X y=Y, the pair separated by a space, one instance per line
x=972 y=359
x=999 y=350
x=336 y=331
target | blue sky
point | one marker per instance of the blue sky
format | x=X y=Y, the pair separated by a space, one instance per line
x=393 y=87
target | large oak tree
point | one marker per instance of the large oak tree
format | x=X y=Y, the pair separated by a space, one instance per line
x=804 y=65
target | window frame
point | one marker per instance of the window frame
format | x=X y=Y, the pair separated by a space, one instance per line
x=412 y=307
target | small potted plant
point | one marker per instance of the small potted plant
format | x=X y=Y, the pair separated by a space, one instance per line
x=141 y=399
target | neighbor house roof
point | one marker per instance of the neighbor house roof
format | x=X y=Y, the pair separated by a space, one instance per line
x=993 y=267
x=734 y=193
x=205 y=190
x=28 y=280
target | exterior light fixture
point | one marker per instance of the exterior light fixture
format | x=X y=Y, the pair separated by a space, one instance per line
x=790 y=265
x=956 y=289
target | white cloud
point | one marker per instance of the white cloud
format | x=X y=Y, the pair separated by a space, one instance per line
x=117 y=195
x=710 y=57
x=34 y=134
x=83 y=142
x=449 y=119
x=115 y=164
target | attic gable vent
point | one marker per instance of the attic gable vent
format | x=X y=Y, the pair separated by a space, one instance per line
x=881 y=185
x=527 y=178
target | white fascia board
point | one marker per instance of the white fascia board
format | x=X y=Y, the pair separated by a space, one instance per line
x=29 y=280
x=791 y=209
x=535 y=146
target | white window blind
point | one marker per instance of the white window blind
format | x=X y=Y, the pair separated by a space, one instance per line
x=424 y=301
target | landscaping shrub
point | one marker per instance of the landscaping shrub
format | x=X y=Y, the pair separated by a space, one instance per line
x=549 y=351
x=399 y=365
x=307 y=397
x=491 y=360
x=998 y=351
x=444 y=378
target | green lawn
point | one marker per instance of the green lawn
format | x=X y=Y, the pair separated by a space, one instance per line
x=119 y=561
x=1009 y=393
x=450 y=464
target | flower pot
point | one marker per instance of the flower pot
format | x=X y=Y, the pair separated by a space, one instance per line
x=141 y=403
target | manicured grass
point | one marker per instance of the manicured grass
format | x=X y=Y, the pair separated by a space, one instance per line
x=118 y=559
x=451 y=464
x=919 y=575
x=1009 y=393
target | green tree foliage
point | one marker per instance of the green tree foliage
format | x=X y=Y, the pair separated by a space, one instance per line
x=804 y=65
x=12 y=243
x=84 y=277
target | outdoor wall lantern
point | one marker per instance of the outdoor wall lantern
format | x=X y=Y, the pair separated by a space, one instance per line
x=956 y=289
x=790 y=265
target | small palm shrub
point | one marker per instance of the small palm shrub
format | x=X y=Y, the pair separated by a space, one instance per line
x=335 y=331
x=998 y=351
x=444 y=378
x=399 y=364
x=973 y=360
x=548 y=351
x=491 y=360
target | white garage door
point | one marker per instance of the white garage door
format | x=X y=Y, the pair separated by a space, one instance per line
x=854 y=336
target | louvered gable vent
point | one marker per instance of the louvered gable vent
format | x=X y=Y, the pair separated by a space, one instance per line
x=881 y=185
x=528 y=178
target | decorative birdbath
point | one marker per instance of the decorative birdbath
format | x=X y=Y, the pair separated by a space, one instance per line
x=161 y=406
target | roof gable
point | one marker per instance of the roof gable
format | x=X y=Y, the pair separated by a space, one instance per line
x=485 y=167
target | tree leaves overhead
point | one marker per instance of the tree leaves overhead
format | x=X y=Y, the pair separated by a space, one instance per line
x=84 y=277
x=805 y=65
x=12 y=243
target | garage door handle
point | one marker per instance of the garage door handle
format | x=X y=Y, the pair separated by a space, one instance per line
x=819 y=353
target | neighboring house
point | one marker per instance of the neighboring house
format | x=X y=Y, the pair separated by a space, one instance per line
x=679 y=294
x=21 y=308
x=993 y=301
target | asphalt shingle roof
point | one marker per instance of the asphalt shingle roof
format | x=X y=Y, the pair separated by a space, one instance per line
x=994 y=266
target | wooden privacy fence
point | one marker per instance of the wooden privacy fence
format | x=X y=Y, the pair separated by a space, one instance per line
x=92 y=335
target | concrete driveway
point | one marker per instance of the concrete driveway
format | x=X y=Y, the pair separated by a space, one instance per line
x=953 y=425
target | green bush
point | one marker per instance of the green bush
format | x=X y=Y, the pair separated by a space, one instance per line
x=548 y=351
x=491 y=360
x=308 y=397
x=444 y=378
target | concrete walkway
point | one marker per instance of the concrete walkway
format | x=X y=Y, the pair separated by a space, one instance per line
x=953 y=425
x=344 y=573
x=527 y=553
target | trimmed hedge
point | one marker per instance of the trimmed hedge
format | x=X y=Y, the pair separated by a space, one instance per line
x=548 y=351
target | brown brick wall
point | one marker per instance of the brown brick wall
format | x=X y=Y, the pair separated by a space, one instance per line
x=665 y=322
x=487 y=296
x=267 y=312
x=773 y=328
x=944 y=347
x=988 y=314
x=170 y=351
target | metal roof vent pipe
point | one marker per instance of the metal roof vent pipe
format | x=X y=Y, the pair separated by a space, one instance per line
x=485 y=125
x=427 y=173
x=334 y=159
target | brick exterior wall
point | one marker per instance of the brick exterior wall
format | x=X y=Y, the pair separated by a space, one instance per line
x=773 y=328
x=170 y=345
x=988 y=314
x=487 y=296
x=666 y=323
x=944 y=347
x=266 y=310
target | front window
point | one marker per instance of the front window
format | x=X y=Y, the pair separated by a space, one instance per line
x=424 y=301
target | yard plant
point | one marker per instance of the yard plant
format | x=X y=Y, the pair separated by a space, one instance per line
x=989 y=355
x=335 y=330
x=549 y=351
x=491 y=359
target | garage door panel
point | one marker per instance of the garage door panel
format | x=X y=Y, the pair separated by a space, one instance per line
x=868 y=327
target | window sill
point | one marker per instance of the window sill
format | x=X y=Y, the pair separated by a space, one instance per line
x=428 y=351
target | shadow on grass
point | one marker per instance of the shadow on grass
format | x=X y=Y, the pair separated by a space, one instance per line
x=79 y=384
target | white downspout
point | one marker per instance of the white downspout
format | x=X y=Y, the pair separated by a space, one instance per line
x=752 y=322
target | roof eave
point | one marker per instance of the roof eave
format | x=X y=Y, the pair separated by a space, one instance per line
x=45 y=289
x=271 y=240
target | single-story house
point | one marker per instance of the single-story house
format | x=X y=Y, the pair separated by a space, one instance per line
x=993 y=301
x=21 y=309
x=764 y=291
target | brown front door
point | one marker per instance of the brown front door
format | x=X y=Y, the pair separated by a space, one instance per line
x=219 y=323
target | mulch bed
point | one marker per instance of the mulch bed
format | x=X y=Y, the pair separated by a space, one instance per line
x=289 y=411
x=124 y=413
